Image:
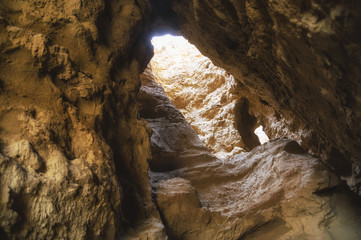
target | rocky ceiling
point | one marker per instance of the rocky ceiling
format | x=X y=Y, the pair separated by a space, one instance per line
x=74 y=154
x=302 y=58
x=299 y=63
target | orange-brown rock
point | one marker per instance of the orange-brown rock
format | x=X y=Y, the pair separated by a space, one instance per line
x=74 y=155
x=298 y=63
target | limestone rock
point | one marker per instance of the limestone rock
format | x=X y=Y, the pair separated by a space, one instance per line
x=298 y=63
x=151 y=229
x=271 y=192
x=174 y=142
x=205 y=94
x=25 y=155
x=73 y=153
x=57 y=204
x=277 y=190
x=177 y=197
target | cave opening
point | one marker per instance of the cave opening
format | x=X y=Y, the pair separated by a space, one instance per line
x=206 y=95
x=188 y=103
x=74 y=150
x=201 y=145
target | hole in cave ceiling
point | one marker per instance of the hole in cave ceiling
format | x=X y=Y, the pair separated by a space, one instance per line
x=202 y=92
x=262 y=136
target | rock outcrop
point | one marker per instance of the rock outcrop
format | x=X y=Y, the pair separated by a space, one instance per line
x=272 y=192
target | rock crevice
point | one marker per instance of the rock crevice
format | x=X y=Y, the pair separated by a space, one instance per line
x=74 y=154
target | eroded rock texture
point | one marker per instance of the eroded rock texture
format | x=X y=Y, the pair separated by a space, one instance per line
x=268 y=193
x=276 y=191
x=205 y=94
x=73 y=160
x=174 y=142
x=74 y=155
x=302 y=58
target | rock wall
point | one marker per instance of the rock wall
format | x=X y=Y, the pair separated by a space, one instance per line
x=276 y=191
x=174 y=143
x=74 y=155
x=73 y=160
x=273 y=192
x=205 y=94
x=297 y=61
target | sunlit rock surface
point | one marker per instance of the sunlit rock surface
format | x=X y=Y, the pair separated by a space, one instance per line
x=204 y=93
x=74 y=152
x=174 y=143
x=276 y=191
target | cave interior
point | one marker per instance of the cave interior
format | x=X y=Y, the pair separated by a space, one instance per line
x=91 y=146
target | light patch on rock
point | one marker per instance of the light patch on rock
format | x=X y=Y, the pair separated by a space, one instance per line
x=203 y=92
x=262 y=136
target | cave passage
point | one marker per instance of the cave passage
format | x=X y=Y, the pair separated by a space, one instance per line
x=204 y=93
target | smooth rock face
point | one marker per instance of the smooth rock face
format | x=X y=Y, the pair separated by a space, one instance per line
x=151 y=229
x=205 y=94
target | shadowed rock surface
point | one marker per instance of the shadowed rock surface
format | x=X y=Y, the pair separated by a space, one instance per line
x=73 y=160
x=298 y=63
x=74 y=154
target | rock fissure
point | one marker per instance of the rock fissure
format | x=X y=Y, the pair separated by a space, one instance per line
x=237 y=198
x=77 y=161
